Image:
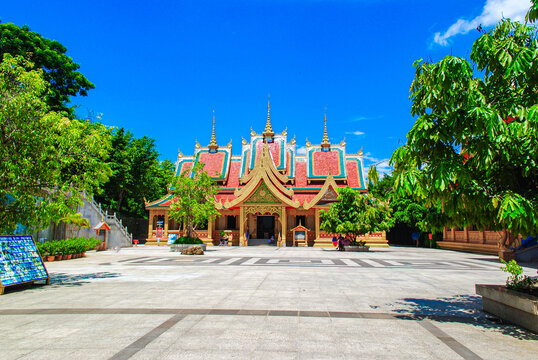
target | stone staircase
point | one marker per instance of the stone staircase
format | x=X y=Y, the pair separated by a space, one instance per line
x=118 y=235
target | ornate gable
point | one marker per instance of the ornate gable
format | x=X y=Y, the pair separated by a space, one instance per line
x=262 y=195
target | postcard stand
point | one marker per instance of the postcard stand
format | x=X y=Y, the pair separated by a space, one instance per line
x=20 y=262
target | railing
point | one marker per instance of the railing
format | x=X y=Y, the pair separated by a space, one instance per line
x=111 y=218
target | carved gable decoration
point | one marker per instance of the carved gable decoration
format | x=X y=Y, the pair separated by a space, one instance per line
x=329 y=196
x=262 y=195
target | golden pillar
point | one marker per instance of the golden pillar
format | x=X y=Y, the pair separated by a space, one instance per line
x=150 y=224
x=165 y=233
x=316 y=215
x=242 y=240
x=284 y=224
x=210 y=225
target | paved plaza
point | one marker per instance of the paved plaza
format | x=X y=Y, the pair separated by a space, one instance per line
x=262 y=303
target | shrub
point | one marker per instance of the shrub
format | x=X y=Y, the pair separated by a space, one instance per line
x=188 y=240
x=515 y=280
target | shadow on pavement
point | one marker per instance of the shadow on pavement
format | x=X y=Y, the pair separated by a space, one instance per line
x=459 y=309
x=63 y=279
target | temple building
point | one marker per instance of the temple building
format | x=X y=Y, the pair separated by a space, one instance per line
x=268 y=190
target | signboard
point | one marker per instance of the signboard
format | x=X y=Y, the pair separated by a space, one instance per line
x=159 y=233
x=20 y=261
x=171 y=238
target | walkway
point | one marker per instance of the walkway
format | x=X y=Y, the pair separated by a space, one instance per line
x=261 y=302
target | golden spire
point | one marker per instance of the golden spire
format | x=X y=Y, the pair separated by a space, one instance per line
x=325 y=142
x=213 y=144
x=268 y=128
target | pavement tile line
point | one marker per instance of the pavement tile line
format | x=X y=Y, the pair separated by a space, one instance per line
x=309 y=262
x=143 y=341
x=449 y=341
x=180 y=314
x=248 y=312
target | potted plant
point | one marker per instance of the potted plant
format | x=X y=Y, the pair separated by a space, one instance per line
x=57 y=251
x=517 y=301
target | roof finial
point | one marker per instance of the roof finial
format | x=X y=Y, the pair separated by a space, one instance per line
x=213 y=144
x=268 y=132
x=325 y=142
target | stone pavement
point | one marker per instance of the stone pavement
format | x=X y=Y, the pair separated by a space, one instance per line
x=261 y=302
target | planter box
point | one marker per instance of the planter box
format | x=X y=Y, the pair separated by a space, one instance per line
x=179 y=247
x=357 y=248
x=511 y=306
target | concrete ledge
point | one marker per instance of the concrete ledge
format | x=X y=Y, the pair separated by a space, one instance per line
x=511 y=306
x=469 y=247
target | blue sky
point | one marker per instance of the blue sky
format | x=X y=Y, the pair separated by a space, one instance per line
x=160 y=69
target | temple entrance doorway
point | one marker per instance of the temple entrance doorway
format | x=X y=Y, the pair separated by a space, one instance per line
x=265 y=227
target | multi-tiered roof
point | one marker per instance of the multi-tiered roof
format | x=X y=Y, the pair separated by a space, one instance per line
x=270 y=170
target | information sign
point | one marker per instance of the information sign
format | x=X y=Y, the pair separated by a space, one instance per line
x=171 y=238
x=20 y=261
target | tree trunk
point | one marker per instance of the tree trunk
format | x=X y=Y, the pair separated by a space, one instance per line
x=120 y=200
x=507 y=240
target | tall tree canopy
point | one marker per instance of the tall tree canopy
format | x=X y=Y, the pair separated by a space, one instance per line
x=406 y=210
x=193 y=201
x=47 y=161
x=474 y=147
x=137 y=174
x=59 y=70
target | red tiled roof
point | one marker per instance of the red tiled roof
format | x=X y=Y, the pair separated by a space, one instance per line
x=274 y=149
x=185 y=166
x=323 y=161
x=300 y=174
x=353 y=177
x=304 y=197
x=224 y=197
x=214 y=163
x=233 y=177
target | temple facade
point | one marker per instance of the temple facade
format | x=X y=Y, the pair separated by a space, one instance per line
x=268 y=190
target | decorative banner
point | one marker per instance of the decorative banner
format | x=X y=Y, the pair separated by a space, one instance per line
x=20 y=261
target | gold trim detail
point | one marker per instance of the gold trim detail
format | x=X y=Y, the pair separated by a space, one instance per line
x=264 y=171
x=325 y=142
x=268 y=132
x=329 y=182
x=213 y=143
x=262 y=209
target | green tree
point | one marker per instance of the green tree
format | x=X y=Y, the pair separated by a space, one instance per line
x=355 y=214
x=47 y=161
x=474 y=147
x=137 y=174
x=59 y=70
x=193 y=201
x=409 y=214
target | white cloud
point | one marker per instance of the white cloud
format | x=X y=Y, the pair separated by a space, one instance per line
x=382 y=168
x=355 y=132
x=368 y=156
x=494 y=10
x=301 y=150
